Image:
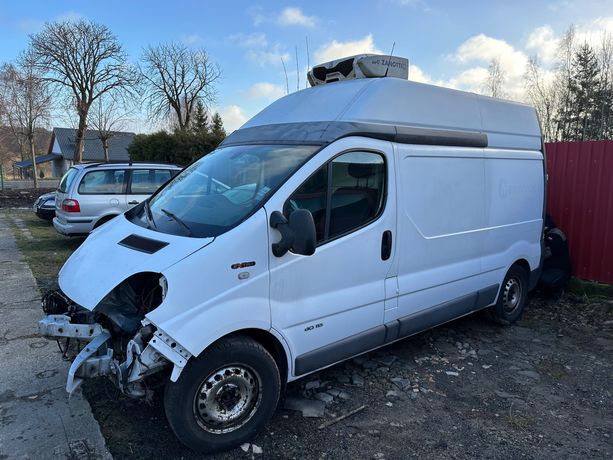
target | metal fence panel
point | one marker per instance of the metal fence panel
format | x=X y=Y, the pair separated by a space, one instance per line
x=580 y=200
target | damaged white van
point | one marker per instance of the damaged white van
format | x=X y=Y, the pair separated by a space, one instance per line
x=341 y=218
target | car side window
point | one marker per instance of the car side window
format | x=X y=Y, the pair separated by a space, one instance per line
x=103 y=182
x=343 y=195
x=147 y=181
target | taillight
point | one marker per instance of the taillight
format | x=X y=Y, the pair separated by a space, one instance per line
x=71 y=206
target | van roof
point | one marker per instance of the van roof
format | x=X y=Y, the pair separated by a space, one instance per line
x=386 y=107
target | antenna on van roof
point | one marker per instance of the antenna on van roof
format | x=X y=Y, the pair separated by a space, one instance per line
x=390 y=59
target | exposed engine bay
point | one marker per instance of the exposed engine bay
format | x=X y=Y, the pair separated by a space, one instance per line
x=115 y=339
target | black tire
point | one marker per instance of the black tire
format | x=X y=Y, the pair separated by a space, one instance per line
x=512 y=298
x=228 y=366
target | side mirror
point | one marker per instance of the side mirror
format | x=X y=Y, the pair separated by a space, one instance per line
x=297 y=234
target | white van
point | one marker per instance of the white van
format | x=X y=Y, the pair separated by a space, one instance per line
x=340 y=219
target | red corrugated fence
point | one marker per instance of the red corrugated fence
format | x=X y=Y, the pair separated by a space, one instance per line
x=580 y=200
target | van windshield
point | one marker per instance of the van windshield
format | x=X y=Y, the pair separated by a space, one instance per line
x=220 y=190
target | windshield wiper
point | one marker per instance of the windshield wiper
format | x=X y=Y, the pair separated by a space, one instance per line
x=149 y=214
x=178 y=220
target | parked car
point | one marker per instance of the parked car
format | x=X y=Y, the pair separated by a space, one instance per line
x=44 y=206
x=91 y=194
x=341 y=218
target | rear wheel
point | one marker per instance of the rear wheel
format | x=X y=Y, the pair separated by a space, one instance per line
x=512 y=297
x=225 y=396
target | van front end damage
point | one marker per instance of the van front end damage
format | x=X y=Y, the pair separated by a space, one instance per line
x=115 y=340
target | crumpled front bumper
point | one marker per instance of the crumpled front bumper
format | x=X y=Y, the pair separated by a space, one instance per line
x=97 y=357
x=94 y=360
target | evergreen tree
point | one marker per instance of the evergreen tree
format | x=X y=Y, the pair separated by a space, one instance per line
x=584 y=92
x=201 y=119
x=217 y=130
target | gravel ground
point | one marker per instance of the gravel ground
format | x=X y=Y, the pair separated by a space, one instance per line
x=469 y=389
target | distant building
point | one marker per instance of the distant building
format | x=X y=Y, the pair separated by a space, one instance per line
x=60 y=154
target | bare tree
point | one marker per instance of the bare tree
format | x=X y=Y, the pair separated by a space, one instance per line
x=605 y=61
x=26 y=101
x=107 y=116
x=494 y=82
x=176 y=78
x=85 y=59
x=542 y=93
x=564 y=70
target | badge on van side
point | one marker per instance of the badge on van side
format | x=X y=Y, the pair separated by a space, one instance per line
x=242 y=265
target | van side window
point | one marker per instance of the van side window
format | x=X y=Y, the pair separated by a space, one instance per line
x=342 y=195
x=103 y=182
x=147 y=181
x=312 y=195
x=358 y=180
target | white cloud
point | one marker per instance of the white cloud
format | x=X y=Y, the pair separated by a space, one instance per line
x=265 y=90
x=418 y=75
x=482 y=49
x=273 y=55
x=289 y=16
x=336 y=49
x=544 y=42
x=257 y=15
x=292 y=16
x=233 y=117
x=468 y=80
x=412 y=3
x=259 y=50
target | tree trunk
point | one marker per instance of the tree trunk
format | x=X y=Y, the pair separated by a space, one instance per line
x=105 y=147
x=33 y=156
x=80 y=138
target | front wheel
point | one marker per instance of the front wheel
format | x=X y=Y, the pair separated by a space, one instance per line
x=225 y=396
x=512 y=297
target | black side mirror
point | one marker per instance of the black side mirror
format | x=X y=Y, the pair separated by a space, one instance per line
x=297 y=234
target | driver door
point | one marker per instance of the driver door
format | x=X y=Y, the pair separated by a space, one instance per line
x=330 y=306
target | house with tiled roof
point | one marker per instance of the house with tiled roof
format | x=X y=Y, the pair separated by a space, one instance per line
x=62 y=149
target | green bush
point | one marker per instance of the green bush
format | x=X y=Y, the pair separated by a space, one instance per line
x=180 y=147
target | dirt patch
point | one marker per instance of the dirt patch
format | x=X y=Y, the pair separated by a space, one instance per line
x=23 y=198
x=539 y=389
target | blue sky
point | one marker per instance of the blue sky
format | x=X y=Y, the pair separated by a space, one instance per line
x=447 y=42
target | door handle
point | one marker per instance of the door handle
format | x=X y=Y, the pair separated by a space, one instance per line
x=386 y=245
x=133 y=202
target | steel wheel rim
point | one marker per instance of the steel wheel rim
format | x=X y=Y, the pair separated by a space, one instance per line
x=512 y=295
x=227 y=399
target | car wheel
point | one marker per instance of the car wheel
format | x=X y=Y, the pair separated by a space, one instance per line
x=512 y=298
x=224 y=397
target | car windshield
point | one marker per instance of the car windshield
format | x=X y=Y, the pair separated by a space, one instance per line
x=220 y=190
x=67 y=180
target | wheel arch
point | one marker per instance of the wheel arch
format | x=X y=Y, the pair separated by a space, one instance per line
x=273 y=344
x=104 y=219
